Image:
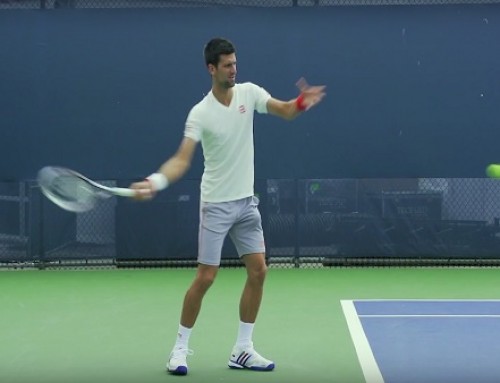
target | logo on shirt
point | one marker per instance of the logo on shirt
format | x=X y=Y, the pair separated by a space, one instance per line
x=242 y=109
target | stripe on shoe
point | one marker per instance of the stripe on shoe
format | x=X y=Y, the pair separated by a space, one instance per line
x=242 y=358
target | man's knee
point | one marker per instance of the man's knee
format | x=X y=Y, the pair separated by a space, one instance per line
x=205 y=277
x=257 y=273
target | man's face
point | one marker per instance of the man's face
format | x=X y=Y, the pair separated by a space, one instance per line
x=225 y=72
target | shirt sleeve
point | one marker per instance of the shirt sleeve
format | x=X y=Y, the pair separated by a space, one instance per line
x=261 y=98
x=193 y=127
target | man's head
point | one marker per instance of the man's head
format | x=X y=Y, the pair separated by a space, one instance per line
x=215 y=48
x=220 y=58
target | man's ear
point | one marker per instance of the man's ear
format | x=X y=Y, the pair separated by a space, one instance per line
x=211 y=68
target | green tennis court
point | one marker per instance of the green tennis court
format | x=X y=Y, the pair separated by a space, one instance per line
x=118 y=325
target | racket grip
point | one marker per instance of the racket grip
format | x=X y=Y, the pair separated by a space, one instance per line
x=124 y=192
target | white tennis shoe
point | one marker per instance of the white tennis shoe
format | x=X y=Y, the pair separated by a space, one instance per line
x=247 y=357
x=177 y=364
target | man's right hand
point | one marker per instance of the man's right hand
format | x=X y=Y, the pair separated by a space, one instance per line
x=143 y=190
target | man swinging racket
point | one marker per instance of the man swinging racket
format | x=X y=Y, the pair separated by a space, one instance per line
x=223 y=123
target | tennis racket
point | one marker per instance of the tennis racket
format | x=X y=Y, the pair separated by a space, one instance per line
x=73 y=191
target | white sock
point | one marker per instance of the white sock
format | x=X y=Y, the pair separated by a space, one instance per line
x=183 y=335
x=245 y=334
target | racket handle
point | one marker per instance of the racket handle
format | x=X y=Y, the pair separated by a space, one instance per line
x=124 y=192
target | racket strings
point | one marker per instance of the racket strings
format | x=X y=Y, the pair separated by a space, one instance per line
x=72 y=189
x=67 y=190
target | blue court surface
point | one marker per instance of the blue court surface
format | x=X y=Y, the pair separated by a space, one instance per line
x=426 y=341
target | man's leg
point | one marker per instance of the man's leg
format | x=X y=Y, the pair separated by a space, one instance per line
x=215 y=222
x=205 y=277
x=252 y=292
x=243 y=354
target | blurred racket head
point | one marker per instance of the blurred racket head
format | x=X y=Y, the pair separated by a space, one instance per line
x=67 y=189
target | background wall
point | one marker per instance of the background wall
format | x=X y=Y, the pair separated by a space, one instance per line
x=412 y=91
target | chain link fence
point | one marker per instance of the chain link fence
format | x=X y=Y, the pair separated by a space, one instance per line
x=307 y=223
x=55 y=4
x=384 y=222
x=36 y=233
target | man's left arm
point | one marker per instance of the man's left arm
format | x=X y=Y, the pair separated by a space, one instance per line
x=309 y=96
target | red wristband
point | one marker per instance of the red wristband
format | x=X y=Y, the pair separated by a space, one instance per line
x=299 y=102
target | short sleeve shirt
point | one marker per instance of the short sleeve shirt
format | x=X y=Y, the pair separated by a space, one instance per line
x=226 y=135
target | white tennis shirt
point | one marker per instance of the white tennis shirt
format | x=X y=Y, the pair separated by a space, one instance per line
x=226 y=135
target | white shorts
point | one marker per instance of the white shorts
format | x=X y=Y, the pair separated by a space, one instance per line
x=240 y=218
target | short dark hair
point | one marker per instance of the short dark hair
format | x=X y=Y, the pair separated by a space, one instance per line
x=215 y=48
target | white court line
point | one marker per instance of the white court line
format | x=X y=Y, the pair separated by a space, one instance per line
x=365 y=355
x=429 y=316
x=426 y=300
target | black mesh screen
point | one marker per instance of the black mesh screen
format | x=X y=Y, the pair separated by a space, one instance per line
x=313 y=222
x=54 y=4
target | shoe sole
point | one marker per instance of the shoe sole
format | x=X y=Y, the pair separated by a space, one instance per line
x=237 y=366
x=181 y=370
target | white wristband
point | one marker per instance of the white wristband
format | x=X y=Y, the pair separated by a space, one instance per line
x=158 y=181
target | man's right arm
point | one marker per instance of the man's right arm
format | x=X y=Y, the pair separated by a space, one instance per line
x=180 y=162
x=173 y=169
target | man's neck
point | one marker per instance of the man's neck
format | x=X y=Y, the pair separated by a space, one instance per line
x=223 y=95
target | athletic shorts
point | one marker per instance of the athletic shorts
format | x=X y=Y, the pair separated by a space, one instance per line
x=240 y=218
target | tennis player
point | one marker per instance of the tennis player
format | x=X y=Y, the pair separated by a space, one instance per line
x=223 y=123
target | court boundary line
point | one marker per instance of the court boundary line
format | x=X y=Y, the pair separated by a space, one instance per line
x=424 y=300
x=429 y=315
x=364 y=352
